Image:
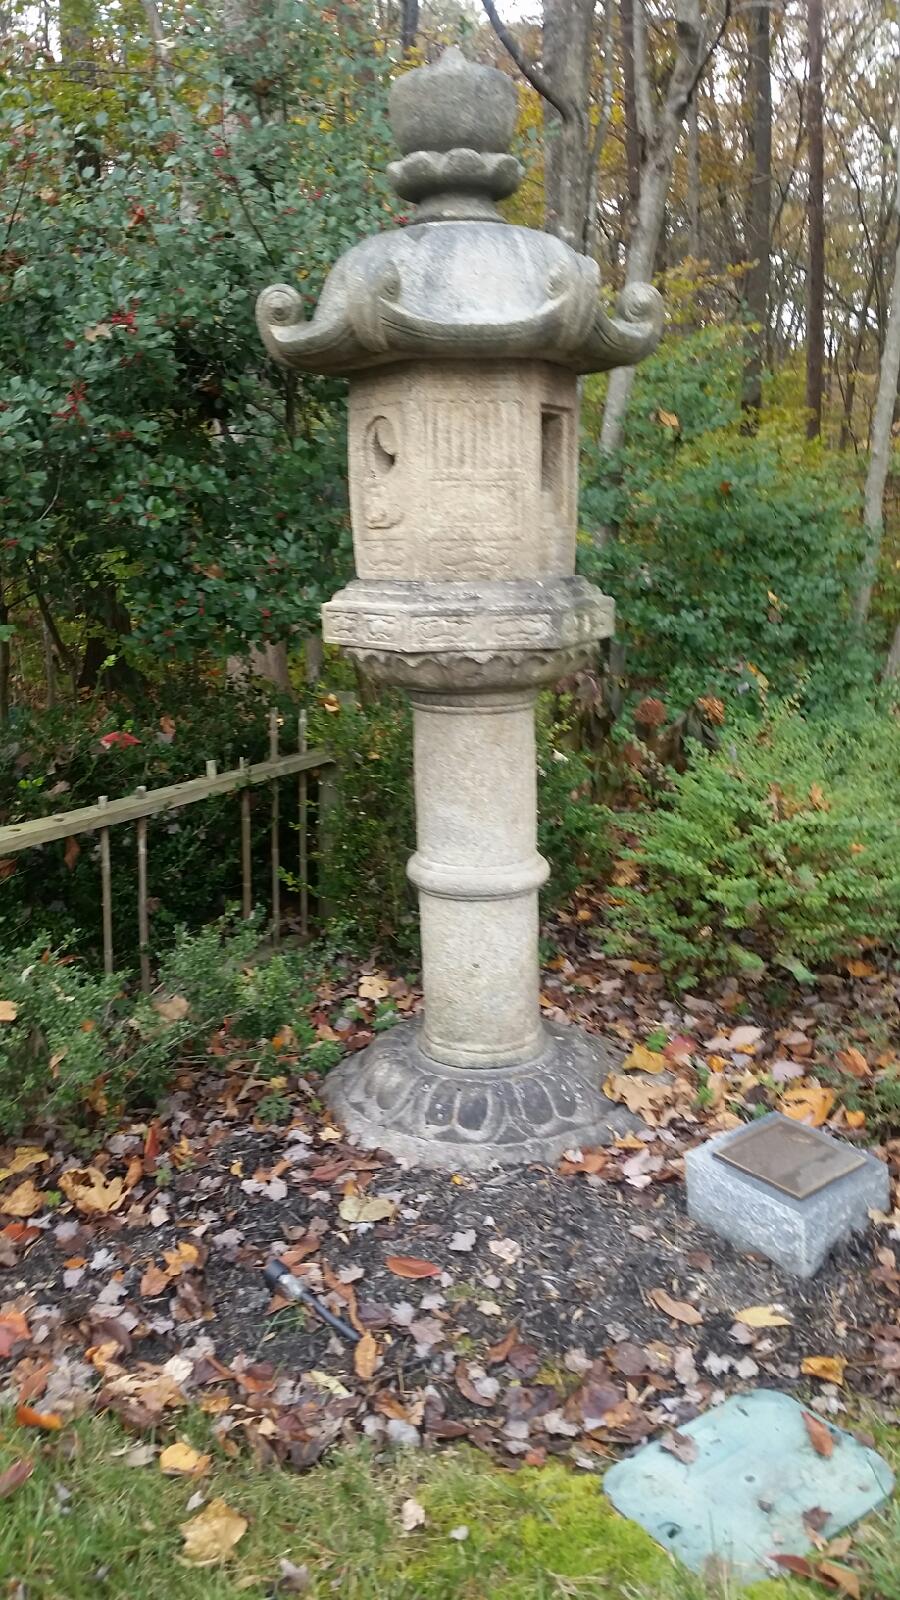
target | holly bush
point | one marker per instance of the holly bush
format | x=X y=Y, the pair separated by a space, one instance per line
x=778 y=851
x=165 y=488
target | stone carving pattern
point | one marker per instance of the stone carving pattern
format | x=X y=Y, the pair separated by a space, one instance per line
x=395 y=1089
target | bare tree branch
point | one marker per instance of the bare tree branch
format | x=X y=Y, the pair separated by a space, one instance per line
x=528 y=68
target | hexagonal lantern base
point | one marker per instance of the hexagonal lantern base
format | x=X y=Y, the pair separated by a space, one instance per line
x=394 y=1097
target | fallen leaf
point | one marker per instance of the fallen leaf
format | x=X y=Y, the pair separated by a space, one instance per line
x=8 y=1011
x=154 y=1281
x=26 y=1157
x=463 y=1241
x=182 y=1460
x=682 y=1446
x=412 y=1267
x=365 y=1357
x=359 y=1208
x=25 y=1200
x=840 y=1578
x=820 y=1436
x=49 y=1421
x=668 y=419
x=479 y=1396
x=507 y=1249
x=796 y=1564
x=762 y=1317
x=90 y=1190
x=17 y=1473
x=373 y=986
x=830 y=1369
x=854 y=1062
x=640 y=1059
x=855 y=1119
x=173 y=1008
x=412 y=1515
x=811 y=1104
x=14 y=1330
x=745 y=1039
x=498 y=1352
x=591 y=1162
x=212 y=1535
x=679 y=1310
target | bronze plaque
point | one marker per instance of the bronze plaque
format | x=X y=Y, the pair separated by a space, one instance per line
x=795 y=1159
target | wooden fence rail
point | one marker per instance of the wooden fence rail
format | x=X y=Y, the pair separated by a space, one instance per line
x=145 y=803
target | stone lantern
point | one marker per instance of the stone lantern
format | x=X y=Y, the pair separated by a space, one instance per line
x=463 y=337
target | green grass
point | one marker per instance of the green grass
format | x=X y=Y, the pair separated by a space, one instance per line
x=87 y=1527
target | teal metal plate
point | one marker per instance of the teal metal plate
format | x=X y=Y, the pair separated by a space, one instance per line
x=742 y=1500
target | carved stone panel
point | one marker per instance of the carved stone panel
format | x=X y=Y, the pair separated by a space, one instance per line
x=464 y=472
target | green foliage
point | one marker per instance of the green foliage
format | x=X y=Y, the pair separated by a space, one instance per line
x=80 y=1045
x=736 y=554
x=781 y=850
x=165 y=481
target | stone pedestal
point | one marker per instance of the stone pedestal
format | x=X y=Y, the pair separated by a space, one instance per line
x=463 y=338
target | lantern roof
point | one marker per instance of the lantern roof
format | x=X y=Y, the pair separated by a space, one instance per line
x=458 y=281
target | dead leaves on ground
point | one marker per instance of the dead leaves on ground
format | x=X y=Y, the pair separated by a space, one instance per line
x=211 y=1536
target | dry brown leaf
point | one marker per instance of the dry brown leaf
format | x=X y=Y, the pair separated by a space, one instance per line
x=640 y=1059
x=91 y=1191
x=668 y=419
x=762 y=1317
x=412 y=1267
x=182 y=1460
x=365 y=1357
x=8 y=1011
x=14 y=1330
x=17 y=1473
x=26 y=1157
x=49 y=1421
x=360 y=1208
x=25 y=1200
x=592 y=1162
x=154 y=1281
x=840 y=1578
x=830 y=1369
x=854 y=1062
x=679 y=1310
x=820 y=1436
x=212 y=1535
x=373 y=986
x=811 y=1104
x=498 y=1352
x=172 y=1009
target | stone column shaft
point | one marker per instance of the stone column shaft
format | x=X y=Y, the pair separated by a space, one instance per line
x=478 y=872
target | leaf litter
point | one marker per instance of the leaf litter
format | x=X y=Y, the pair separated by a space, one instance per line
x=535 y=1313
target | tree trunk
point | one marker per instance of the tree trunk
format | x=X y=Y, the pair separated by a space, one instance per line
x=660 y=132
x=815 y=330
x=880 y=457
x=568 y=36
x=693 y=180
x=632 y=135
x=409 y=24
x=759 y=208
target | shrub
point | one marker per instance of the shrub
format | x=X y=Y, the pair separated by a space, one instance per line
x=780 y=849
x=78 y=1046
x=737 y=554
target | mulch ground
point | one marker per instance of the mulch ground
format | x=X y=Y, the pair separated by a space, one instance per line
x=534 y=1312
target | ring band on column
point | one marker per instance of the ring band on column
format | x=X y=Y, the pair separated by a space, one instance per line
x=477 y=883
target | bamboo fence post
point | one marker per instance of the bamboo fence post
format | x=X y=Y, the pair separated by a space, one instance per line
x=106 y=891
x=246 y=852
x=303 y=825
x=143 y=914
x=276 y=819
